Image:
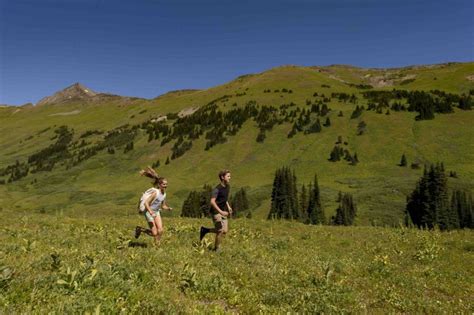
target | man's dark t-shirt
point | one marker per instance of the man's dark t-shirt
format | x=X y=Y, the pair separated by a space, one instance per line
x=221 y=193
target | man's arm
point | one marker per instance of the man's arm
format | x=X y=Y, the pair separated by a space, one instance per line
x=229 y=207
x=215 y=206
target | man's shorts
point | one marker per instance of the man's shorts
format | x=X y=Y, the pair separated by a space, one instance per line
x=220 y=222
x=148 y=216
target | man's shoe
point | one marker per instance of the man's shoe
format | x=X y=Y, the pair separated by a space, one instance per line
x=202 y=233
x=138 y=231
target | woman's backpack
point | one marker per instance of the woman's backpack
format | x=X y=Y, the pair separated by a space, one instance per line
x=141 y=203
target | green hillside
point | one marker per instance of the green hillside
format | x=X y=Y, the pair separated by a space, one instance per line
x=109 y=183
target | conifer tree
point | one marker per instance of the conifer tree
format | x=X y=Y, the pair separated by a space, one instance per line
x=239 y=202
x=315 y=127
x=327 y=123
x=204 y=201
x=303 y=204
x=428 y=205
x=336 y=154
x=403 y=161
x=284 y=204
x=315 y=210
x=465 y=102
x=346 y=211
x=357 y=112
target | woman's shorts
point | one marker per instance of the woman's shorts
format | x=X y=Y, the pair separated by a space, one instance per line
x=148 y=216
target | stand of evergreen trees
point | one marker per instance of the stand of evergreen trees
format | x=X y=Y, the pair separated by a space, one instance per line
x=429 y=206
x=197 y=205
x=285 y=203
x=240 y=204
x=425 y=103
x=346 y=211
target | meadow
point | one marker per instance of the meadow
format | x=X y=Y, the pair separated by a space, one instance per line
x=53 y=263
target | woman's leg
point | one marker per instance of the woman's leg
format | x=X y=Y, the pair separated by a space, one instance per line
x=157 y=229
x=150 y=220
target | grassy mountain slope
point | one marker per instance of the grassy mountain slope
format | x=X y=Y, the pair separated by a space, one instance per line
x=109 y=183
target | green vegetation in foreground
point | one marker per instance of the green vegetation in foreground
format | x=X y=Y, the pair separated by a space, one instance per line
x=61 y=264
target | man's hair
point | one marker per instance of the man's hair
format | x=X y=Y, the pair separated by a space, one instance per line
x=223 y=173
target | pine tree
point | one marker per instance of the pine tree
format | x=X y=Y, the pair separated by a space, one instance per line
x=361 y=128
x=403 y=161
x=315 y=210
x=315 y=127
x=191 y=205
x=284 y=201
x=239 y=202
x=346 y=211
x=295 y=214
x=465 y=102
x=204 y=201
x=156 y=164
x=335 y=154
x=276 y=198
x=357 y=112
x=261 y=136
x=461 y=205
x=428 y=205
x=327 y=123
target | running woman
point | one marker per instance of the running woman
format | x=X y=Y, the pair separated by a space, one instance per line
x=155 y=200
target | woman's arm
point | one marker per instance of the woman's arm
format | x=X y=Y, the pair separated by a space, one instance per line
x=165 y=206
x=148 y=203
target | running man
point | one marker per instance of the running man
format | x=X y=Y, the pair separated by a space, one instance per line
x=155 y=201
x=220 y=209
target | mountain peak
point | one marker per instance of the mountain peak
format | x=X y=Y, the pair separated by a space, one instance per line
x=76 y=91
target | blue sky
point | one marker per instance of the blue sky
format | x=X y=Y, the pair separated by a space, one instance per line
x=148 y=47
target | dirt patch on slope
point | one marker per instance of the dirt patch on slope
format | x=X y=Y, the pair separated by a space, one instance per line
x=187 y=111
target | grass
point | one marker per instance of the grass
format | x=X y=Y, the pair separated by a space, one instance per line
x=63 y=264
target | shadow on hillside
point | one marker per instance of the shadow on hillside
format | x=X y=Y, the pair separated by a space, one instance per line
x=137 y=244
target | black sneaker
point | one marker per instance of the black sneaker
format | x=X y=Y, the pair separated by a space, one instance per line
x=202 y=233
x=138 y=231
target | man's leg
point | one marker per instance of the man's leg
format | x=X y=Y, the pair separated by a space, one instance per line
x=221 y=232
x=215 y=229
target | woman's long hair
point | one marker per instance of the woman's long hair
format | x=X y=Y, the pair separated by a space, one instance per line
x=151 y=173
